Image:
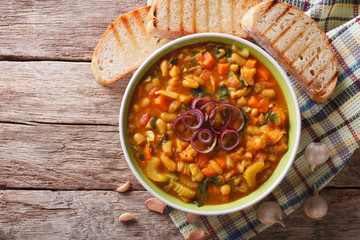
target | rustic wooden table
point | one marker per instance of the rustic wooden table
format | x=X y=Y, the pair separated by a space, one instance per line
x=60 y=155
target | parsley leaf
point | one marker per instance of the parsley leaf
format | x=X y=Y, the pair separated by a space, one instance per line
x=222 y=92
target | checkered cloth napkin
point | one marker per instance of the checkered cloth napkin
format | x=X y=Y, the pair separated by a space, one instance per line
x=336 y=123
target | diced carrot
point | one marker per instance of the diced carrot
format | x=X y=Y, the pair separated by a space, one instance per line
x=251 y=62
x=153 y=91
x=205 y=74
x=162 y=102
x=262 y=74
x=221 y=160
x=209 y=60
x=233 y=82
x=260 y=157
x=144 y=119
x=282 y=114
x=209 y=171
x=147 y=153
x=264 y=106
x=223 y=68
x=203 y=160
x=213 y=189
x=254 y=101
x=253 y=120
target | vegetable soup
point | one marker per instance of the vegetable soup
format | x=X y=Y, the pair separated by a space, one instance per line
x=208 y=123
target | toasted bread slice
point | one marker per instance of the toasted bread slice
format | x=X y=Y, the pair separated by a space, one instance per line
x=123 y=47
x=175 y=18
x=297 y=43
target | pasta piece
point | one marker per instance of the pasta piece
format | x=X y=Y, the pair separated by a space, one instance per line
x=187 y=181
x=151 y=172
x=250 y=173
x=183 y=191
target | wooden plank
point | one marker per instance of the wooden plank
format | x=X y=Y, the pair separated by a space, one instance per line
x=93 y=215
x=80 y=215
x=341 y=222
x=50 y=30
x=62 y=157
x=57 y=92
x=50 y=156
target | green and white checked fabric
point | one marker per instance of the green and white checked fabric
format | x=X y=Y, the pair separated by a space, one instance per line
x=335 y=123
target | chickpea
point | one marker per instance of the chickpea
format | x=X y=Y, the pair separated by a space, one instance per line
x=174 y=72
x=167 y=148
x=268 y=93
x=161 y=126
x=225 y=189
x=139 y=138
x=164 y=68
x=254 y=112
x=174 y=106
x=168 y=117
x=241 y=101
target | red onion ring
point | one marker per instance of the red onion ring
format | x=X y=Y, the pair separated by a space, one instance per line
x=200 y=117
x=203 y=151
x=213 y=103
x=196 y=100
x=226 y=132
x=209 y=133
x=179 y=118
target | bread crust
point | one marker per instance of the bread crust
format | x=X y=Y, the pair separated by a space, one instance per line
x=249 y=25
x=157 y=31
x=128 y=68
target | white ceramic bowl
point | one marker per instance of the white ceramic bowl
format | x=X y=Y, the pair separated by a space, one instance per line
x=294 y=125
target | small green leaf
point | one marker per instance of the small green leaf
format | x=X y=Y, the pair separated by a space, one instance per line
x=273 y=116
x=216 y=181
x=173 y=61
x=197 y=92
x=193 y=61
x=222 y=92
x=202 y=187
x=139 y=153
x=245 y=115
x=153 y=122
x=163 y=140
x=198 y=203
x=243 y=82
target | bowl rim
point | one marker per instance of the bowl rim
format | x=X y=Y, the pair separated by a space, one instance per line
x=199 y=36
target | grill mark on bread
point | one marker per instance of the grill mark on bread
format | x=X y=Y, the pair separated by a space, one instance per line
x=277 y=19
x=301 y=52
x=129 y=30
x=331 y=79
x=285 y=31
x=181 y=16
x=321 y=70
x=294 y=40
x=117 y=36
x=313 y=60
x=270 y=6
x=168 y=14
x=140 y=22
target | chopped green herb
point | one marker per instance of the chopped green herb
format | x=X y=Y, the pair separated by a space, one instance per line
x=244 y=113
x=190 y=69
x=202 y=187
x=164 y=139
x=173 y=61
x=198 y=203
x=222 y=92
x=218 y=54
x=197 y=92
x=243 y=82
x=139 y=153
x=216 y=181
x=273 y=116
x=153 y=122
x=193 y=61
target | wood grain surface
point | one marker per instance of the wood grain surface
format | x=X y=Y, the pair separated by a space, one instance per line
x=60 y=154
